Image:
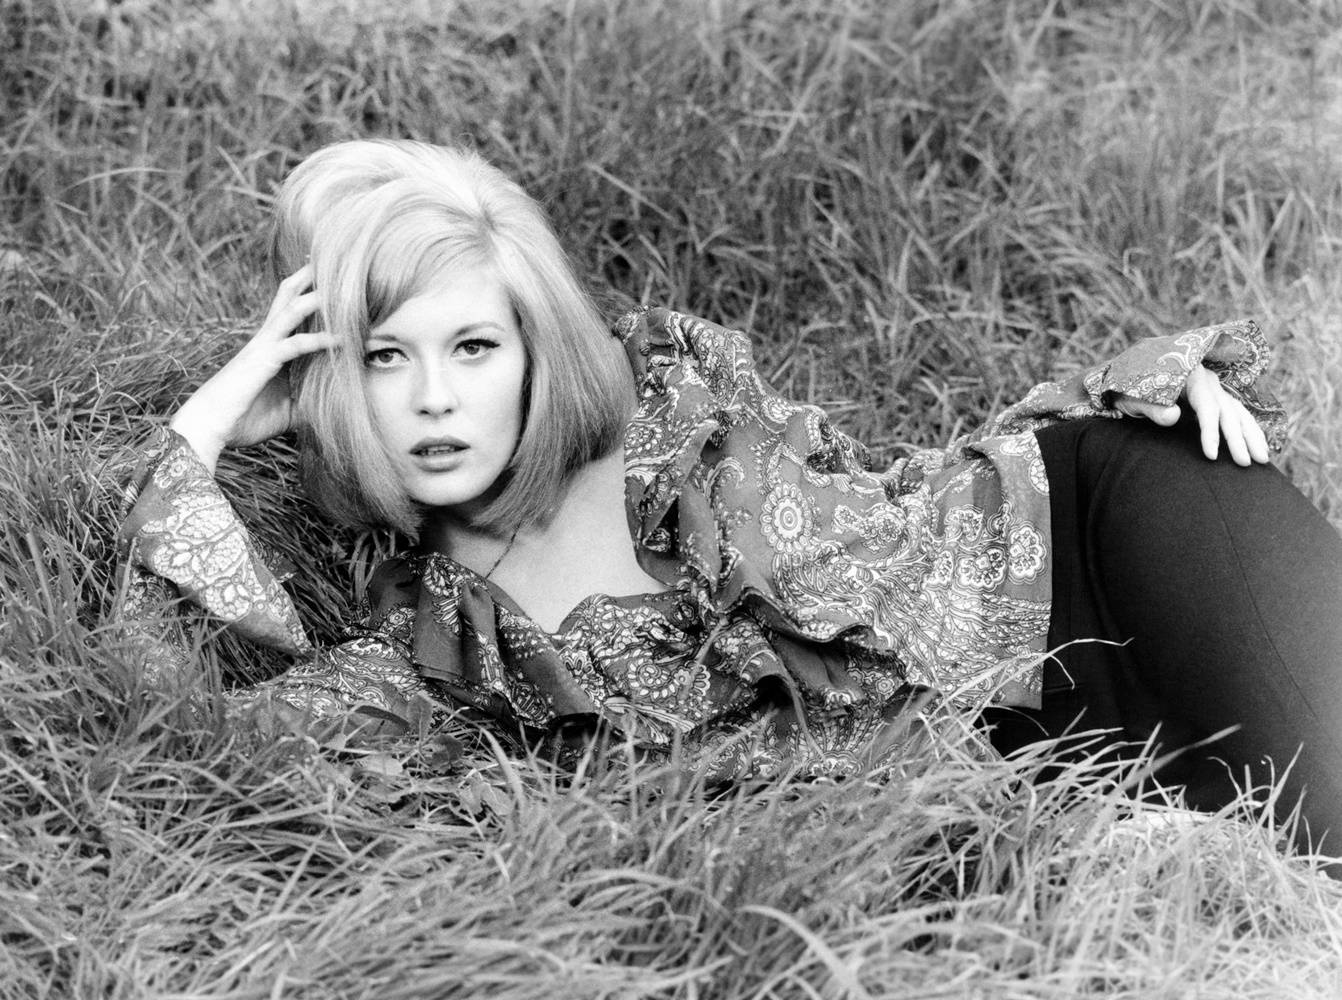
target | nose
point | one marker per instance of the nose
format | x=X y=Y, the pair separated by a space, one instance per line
x=435 y=392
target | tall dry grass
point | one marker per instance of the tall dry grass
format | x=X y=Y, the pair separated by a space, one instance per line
x=919 y=208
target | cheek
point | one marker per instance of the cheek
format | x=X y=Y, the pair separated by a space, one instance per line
x=514 y=400
x=519 y=404
x=373 y=397
x=380 y=398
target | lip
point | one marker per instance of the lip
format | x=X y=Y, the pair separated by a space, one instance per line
x=438 y=447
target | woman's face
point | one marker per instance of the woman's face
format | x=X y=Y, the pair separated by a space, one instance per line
x=444 y=376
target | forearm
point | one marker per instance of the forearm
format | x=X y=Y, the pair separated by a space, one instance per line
x=196 y=433
x=181 y=528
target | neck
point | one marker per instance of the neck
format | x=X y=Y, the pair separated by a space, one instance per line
x=592 y=492
x=585 y=548
x=446 y=532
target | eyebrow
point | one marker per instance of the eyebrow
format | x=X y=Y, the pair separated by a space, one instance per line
x=484 y=324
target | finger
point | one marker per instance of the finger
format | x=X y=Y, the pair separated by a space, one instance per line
x=306 y=343
x=1130 y=406
x=1209 y=429
x=1232 y=430
x=291 y=287
x=300 y=308
x=1255 y=437
x=1203 y=392
x=285 y=315
x=1165 y=416
x=300 y=279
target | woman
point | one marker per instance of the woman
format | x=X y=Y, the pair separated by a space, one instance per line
x=634 y=531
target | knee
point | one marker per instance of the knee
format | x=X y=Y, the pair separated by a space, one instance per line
x=1164 y=468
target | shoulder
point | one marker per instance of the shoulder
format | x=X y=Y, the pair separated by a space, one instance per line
x=713 y=440
x=661 y=341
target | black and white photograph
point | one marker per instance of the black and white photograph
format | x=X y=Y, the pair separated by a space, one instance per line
x=670 y=499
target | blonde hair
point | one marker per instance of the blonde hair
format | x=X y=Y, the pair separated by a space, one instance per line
x=380 y=219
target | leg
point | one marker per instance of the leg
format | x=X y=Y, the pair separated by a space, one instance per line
x=1227 y=584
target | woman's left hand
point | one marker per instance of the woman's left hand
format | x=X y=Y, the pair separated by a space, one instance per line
x=1220 y=415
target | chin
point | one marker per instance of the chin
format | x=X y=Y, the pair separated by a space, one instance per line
x=469 y=496
x=445 y=499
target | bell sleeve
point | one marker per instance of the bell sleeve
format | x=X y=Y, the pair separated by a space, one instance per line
x=182 y=539
x=940 y=566
x=1155 y=370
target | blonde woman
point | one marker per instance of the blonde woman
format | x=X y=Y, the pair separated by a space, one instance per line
x=634 y=533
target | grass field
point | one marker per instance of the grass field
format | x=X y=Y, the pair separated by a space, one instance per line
x=920 y=208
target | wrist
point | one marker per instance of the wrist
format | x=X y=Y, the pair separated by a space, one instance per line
x=206 y=446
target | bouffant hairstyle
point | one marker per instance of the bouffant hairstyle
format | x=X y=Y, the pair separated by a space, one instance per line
x=380 y=220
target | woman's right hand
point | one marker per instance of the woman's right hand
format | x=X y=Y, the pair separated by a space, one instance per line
x=247 y=401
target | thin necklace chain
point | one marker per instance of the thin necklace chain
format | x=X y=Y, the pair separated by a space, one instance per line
x=506 y=549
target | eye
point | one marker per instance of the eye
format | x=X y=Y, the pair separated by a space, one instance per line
x=383 y=357
x=476 y=347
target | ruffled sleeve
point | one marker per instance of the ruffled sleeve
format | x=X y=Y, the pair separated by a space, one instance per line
x=180 y=528
x=1155 y=370
x=775 y=513
x=939 y=567
x=709 y=428
x=181 y=537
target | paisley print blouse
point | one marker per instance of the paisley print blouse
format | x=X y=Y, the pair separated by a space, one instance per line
x=811 y=598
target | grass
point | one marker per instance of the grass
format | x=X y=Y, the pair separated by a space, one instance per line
x=919 y=208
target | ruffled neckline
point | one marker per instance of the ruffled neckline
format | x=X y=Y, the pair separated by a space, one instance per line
x=663 y=601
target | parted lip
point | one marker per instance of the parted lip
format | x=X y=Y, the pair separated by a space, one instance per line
x=427 y=444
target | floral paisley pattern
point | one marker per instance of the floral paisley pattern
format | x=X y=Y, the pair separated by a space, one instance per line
x=1025 y=553
x=812 y=600
x=939 y=565
x=787 y=520
x=182 y=529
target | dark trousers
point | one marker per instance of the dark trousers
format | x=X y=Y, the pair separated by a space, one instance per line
x=1226 y=585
